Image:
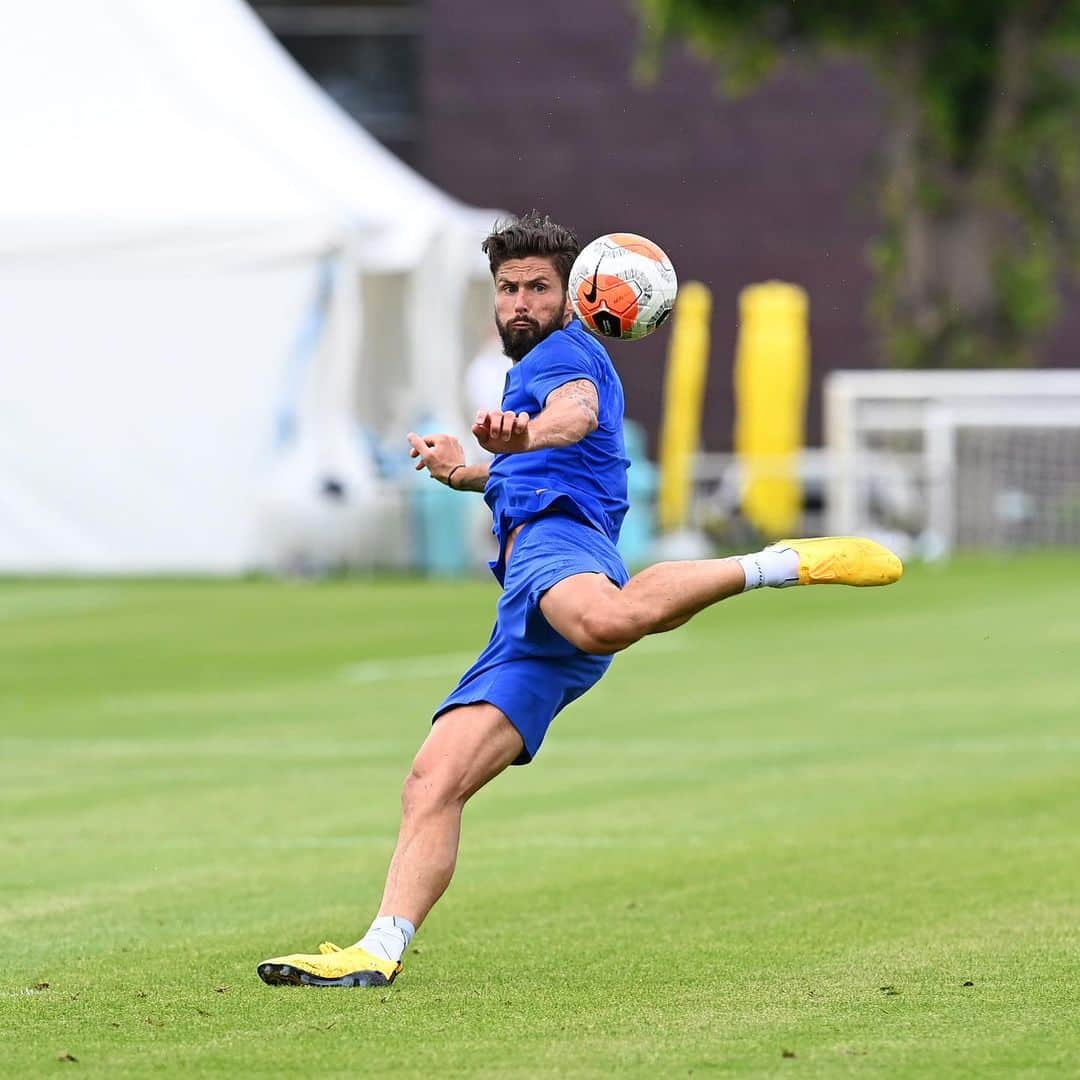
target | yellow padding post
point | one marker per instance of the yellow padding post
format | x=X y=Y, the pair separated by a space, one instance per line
x=684 y=396
x=772 y=373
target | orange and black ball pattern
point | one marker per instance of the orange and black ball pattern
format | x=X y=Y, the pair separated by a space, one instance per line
x=622 y=286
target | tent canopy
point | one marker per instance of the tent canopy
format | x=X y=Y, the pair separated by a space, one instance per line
x=158 y=126
x=177 y=193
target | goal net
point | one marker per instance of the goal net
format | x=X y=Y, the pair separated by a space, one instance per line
x=932 y=461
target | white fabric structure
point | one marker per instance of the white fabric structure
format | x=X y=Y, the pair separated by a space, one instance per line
x=190 y=234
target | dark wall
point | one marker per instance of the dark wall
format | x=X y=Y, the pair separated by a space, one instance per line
x=776 y=185
x=517 y=113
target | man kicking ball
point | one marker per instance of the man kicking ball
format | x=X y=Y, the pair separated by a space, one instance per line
x=557 y=492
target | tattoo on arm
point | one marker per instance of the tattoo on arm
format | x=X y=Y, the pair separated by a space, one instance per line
x=580 y=392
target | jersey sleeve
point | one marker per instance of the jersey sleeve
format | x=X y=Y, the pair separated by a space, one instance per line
x=559 y=365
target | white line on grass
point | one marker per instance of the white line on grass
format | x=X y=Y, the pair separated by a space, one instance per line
x=37 y=603
x=443 y=664
x=409 y=667
x=273 y=745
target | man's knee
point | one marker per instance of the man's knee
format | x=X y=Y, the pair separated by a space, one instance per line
x=429 y=788
x=468 y=745
x=609 y=628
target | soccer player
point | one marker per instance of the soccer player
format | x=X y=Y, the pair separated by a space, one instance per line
x=557 y=491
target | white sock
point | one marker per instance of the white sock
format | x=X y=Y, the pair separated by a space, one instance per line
x=388 y=937
x=774 y=568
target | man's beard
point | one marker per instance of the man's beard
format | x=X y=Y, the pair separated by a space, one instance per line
x=518 y=340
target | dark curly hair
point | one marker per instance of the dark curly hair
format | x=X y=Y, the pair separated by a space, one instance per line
x=532 y=233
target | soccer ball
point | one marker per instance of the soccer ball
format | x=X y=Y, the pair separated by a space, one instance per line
x=622 y=286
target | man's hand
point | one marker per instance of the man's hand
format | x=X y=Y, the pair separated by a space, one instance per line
x=570 y=413
x=437 y=453
x=503 y=432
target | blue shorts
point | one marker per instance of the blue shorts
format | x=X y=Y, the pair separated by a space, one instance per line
x=528 y=671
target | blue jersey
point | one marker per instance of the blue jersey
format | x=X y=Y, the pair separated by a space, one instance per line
x=586 y=480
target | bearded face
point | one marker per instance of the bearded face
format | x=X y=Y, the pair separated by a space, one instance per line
x=530 y=304
x=523 y=334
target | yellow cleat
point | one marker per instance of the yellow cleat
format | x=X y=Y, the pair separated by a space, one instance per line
x=843 y=560
x=331 y=966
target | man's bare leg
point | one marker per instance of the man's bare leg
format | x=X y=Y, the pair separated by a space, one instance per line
x=599 y=617
x=676 y=591
x=467 y=747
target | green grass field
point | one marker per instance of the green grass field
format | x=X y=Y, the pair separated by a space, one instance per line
x=815 y=833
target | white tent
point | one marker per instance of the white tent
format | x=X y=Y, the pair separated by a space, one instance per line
x=188 y=231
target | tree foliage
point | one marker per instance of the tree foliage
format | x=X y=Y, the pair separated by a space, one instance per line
x=980 y=191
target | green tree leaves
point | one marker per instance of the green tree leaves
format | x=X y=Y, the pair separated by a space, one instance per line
x=980 y=186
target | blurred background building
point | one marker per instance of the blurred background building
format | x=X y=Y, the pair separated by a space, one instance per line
x=539 y=105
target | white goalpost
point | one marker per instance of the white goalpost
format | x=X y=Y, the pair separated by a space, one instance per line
x=947 y=459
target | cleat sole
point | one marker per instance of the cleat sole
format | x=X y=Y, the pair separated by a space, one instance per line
x=287 y=975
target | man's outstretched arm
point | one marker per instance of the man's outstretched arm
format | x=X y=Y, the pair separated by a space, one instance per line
x=444 y=458
x=470 y=478
x=570 y=412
